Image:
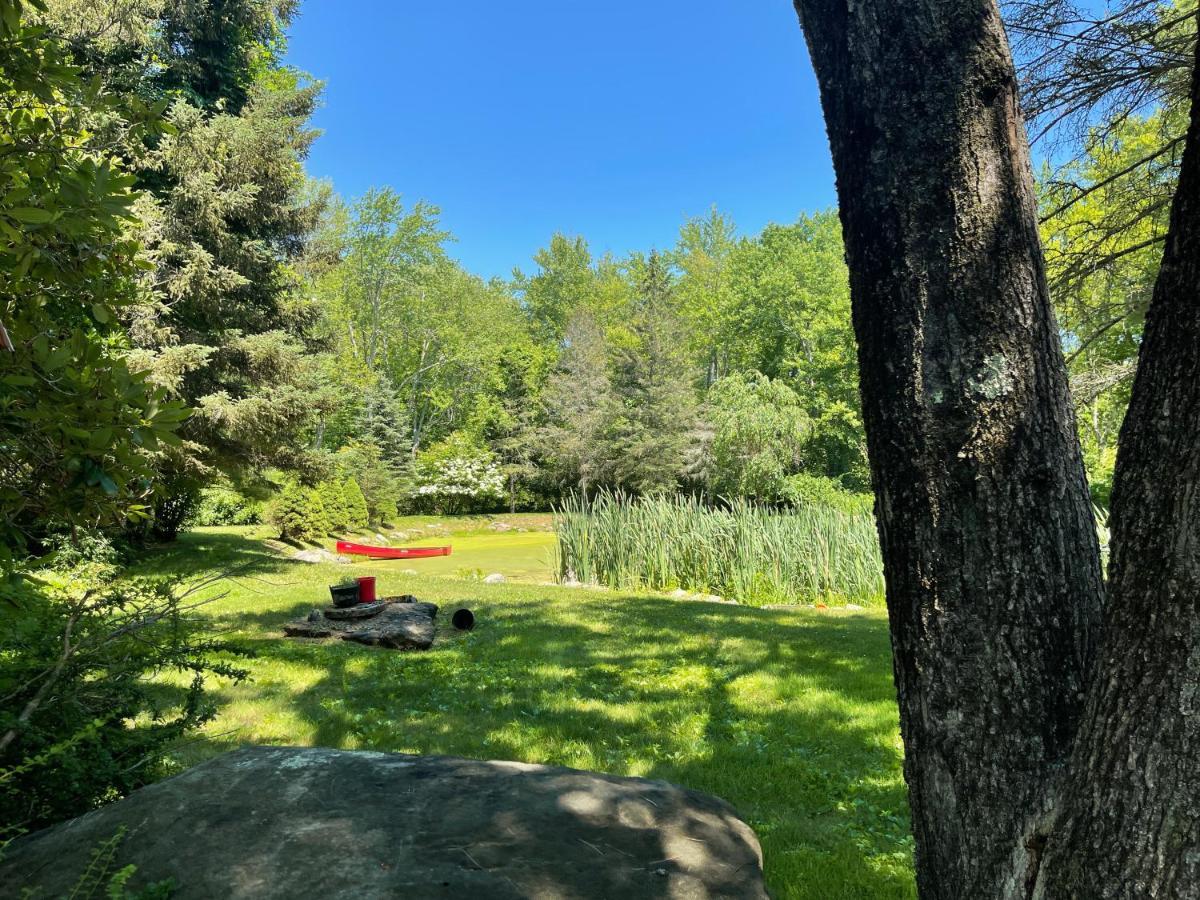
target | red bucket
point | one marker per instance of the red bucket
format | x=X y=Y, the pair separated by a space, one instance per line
x=366 y=589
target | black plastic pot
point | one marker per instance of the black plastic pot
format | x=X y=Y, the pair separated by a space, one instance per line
x=344 y=595
x=463 y=620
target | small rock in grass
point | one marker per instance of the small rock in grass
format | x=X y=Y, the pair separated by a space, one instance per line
x=854 y=606
x=495 y=578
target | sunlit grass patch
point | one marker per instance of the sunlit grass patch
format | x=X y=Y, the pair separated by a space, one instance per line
x=789 y=715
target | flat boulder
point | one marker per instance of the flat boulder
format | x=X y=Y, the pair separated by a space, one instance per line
x=397 y=623
x=399 y=626
x=275 y=823
x=358 y=611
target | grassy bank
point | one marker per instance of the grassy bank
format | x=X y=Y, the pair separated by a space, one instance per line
x=789 y=715
x=746 y=553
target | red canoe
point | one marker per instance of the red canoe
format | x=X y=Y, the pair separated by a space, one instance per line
x=391 y=552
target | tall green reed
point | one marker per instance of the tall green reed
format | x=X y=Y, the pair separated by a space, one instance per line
x=746 y=552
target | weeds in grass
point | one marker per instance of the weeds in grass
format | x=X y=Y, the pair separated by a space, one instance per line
x=745 y=552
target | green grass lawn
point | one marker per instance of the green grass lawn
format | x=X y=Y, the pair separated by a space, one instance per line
x=789 y=715
x=517 y=556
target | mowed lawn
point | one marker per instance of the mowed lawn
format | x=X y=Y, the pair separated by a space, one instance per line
x=789 y=715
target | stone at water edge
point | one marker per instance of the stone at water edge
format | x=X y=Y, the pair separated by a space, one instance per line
x=495 y=578
x=275 y=823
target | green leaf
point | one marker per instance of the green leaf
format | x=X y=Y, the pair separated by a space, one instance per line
x=31 y=215
x=101 y=313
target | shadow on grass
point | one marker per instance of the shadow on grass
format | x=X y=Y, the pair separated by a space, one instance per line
x=789 y=716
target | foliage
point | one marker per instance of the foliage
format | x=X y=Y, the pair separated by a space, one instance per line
x=99 y=874
x=357 y=514
x=378 y=481
x=577 y=402
x=223 y=506
x=759 y=431
x=425 y=336
x=83 y=720
x=747 y=553
x=224 y=213
x=384 y=422
x=1102 y=252
x=651 y=426
x=77 y=420
x=1107 y=93
x=564 y=284
x=790 y=715
x=298 y=513
x=806 y=490
x=333 y=500
x=456 y=477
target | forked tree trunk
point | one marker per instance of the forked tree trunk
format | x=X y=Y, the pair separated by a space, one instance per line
x=989 y=545
x=1130 y=822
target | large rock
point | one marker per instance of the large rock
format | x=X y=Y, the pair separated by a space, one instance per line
x=288 y=823
x=398 y=623
x=400 y=626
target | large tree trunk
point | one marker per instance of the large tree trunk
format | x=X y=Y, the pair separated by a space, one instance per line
x=990 y=550
x=1130 y=822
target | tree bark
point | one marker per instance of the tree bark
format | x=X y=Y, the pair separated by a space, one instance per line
x=1130 y=819
x=989 y=545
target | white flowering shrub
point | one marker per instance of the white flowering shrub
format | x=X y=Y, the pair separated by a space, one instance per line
x=452 y=478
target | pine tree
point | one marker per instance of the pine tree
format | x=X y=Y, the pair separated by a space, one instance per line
x=650 y=434
x=356 y=505
x=577 y=403
x=385 y=422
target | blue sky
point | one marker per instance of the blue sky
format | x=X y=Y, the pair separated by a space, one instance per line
x=615 y=121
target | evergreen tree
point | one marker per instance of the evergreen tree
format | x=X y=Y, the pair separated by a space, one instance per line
x=290 y=513
x=578 y=403
x=361 y=461
x=357 y=513
x=316 y=516
x=384 y=421
x=650 y=432
x=225 y=209
x=333 y=500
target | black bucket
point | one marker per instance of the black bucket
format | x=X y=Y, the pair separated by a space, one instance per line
x=463 y=619
x=344 y=595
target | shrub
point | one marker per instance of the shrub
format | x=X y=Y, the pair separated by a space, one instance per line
x=86 y=718
x=333 y=500
x=456 y=477
x=357 y=514
x=377 y=479
x=222 y=506
x=804 y=490
x=298 y=513
x=747 y=553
